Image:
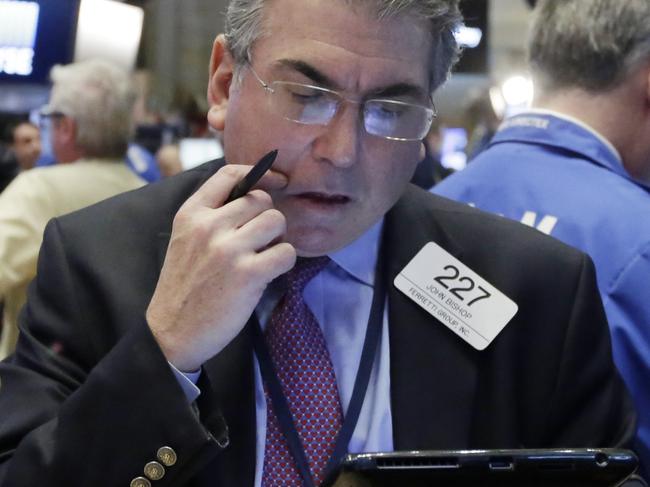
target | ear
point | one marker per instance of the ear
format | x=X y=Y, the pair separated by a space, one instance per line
x=65 y=135
x=222 y=67
x=423 y=151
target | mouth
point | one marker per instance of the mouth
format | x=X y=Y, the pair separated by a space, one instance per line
x=318 y=198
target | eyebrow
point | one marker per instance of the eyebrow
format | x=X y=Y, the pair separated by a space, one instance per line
x=320 y=78
x=399 y=89
x=309 y=71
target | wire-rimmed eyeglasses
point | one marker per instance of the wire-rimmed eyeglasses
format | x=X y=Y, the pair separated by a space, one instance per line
x=46 y=115
x=314 y=105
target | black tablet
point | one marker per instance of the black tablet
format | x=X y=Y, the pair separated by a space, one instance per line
x=492 y=468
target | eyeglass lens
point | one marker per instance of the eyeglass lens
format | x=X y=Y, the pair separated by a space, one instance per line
x=317 y=106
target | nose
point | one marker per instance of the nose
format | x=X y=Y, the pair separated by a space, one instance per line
x=339 y=141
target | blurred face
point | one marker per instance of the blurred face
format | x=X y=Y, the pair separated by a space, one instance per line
x=27 y=145
x=341 y=179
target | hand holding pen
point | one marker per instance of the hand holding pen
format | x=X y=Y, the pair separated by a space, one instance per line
x=226 y=246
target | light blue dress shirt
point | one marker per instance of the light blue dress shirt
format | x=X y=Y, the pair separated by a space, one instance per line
x=340 y=297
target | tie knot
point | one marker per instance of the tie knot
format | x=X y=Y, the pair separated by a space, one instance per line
x=304 y=271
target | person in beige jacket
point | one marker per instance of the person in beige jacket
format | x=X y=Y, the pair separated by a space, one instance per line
x=90 y=113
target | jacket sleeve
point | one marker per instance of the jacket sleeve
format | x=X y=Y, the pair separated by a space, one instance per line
x=73 y=415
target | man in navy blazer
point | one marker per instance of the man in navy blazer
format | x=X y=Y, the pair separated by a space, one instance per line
x=135 y=362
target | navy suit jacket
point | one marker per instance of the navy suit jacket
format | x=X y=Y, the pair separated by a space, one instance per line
x=88 y=398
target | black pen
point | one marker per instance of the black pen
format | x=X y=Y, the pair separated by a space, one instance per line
x=253 y=176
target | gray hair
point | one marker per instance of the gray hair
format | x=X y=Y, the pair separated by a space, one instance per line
x=588 y=44
x=244 y=27
x=99 y=96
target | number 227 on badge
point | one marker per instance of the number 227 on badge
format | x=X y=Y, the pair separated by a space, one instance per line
x=456 y=296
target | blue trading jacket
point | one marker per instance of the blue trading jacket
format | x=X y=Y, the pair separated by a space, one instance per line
x=560 y=177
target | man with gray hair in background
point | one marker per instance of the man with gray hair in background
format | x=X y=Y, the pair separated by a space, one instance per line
x=189 y=334
x=90 y=111
x=577 y=166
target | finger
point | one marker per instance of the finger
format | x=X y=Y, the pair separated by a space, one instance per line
x=240 y=211
x=217 y=187
x=265 y=228
x=275 y=260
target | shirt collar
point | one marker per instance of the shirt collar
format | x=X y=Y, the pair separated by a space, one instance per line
x=580 y=123
x=358 y=258
x=558 y=130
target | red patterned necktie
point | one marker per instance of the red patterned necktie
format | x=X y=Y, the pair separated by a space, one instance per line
x=299 y=353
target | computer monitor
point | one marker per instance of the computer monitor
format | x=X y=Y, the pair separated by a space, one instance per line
x=34 y=36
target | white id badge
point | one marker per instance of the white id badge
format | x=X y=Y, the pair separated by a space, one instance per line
x=456 y=295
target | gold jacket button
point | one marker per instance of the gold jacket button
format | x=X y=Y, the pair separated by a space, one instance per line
x=140 y=482
x=154 y=470
x=167 y=456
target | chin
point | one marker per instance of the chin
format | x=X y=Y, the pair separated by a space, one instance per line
x=316 y=242
x=316 y=249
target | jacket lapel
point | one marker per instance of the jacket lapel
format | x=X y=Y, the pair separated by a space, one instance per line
x=433 y=372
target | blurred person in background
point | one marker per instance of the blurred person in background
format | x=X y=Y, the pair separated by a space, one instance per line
x=577 y=166
x=430 y=170
x=90 y=112
x=169 y=161
x=143 y=163
x=26 y=145
x=22 y=153
x=483 y=123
